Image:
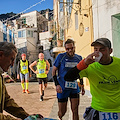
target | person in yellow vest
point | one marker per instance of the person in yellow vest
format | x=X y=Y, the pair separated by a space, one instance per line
x=43 y=68
x=24 y=72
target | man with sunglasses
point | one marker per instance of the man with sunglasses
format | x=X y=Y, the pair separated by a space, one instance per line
x=63 y=63
x=104 y=79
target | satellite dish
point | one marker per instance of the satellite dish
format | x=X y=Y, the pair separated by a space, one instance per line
x=65 y=22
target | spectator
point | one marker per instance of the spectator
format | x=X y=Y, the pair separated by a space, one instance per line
x=8 y=53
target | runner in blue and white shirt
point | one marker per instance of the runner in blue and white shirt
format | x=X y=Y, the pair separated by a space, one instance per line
x=63 y=63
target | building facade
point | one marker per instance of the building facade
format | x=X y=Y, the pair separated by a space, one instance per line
x=74 y=20
x=30 y=34
x=106 y=22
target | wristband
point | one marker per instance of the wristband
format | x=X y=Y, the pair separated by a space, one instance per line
x=81 y=65
x=55 y=80
x=82 y=85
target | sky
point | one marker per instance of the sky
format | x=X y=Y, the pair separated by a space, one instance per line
x=25 y=6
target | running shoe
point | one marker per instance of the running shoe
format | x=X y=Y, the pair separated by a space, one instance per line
x=41 y=98
x=27 y=91
x=23 y=91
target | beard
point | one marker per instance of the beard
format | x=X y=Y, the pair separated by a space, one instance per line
x=71 y=54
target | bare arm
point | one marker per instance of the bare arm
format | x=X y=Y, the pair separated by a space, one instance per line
x=48 y=65
x=31 y=66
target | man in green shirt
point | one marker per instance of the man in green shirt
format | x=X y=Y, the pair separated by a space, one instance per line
x=43 y=68
x=104 y=78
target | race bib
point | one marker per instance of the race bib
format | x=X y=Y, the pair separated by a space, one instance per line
x=72 y=85
x=109 y=116
x=24 y=67
x=41 y=71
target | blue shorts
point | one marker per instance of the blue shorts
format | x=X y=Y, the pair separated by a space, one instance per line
x=24 y=76
x=67 y=93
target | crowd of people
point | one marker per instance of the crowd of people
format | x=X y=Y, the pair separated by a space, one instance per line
x=101 y=69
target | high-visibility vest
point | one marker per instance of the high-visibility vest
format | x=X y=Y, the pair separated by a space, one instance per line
x=41 y=68
x=23 y=67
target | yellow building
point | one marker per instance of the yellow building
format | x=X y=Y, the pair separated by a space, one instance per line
x=73 y=19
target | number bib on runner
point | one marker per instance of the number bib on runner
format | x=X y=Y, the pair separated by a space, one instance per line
x=72 y=85
x=109 y=116
x=24 y=67
x=41 y=71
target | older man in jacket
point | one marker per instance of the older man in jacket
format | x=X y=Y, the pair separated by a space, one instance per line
x=8 y=53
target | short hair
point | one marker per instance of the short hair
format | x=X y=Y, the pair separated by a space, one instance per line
x=69 y=41
x=7 y=48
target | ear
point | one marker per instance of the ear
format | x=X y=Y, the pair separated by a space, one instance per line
x=1 y=54
x=111 y=50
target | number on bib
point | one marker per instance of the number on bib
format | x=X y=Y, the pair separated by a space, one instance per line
x=41 y=71
x=72 y=85
x=24 y=67
x=109 y=116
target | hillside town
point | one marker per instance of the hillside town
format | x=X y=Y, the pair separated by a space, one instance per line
x=47 y=31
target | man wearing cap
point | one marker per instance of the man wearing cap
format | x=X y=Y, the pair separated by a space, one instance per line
x=23 y=72
x=104 y=79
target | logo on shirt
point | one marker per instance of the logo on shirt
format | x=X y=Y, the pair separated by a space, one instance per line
x=70 y=64
x=111 y=80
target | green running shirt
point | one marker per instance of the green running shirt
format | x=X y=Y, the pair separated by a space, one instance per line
x=104 y=85
x=24 y=67
x=41 y=68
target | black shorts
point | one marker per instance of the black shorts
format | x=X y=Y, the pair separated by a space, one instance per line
x=40 y=80
x=76 y=95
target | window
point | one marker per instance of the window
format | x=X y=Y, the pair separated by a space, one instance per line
x=61 y=5
x=29 y=33
x=24 y=21
x=21 y=34
x=61 y=34
x=69 y=3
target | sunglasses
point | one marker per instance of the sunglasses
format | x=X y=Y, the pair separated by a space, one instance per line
x=69 y=48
